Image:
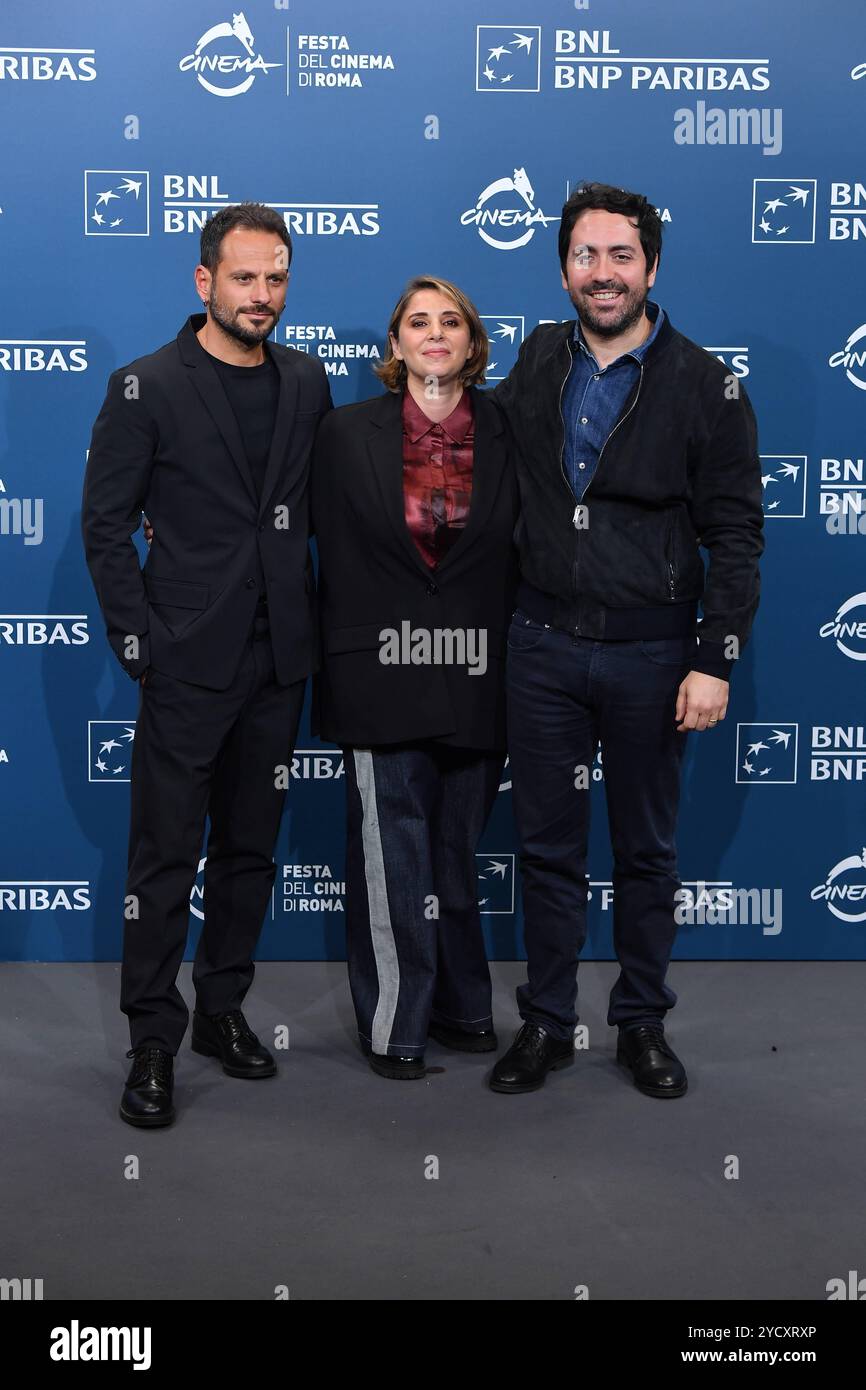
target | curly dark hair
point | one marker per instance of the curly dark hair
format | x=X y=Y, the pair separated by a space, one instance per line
x=606 y=198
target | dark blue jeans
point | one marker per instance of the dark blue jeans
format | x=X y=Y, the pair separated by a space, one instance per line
x=566 y=695
x=414 y=943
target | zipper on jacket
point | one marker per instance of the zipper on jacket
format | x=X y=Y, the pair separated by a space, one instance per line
x=598 y=465
x=619 y=422
x=562 y=422
x=669 y=550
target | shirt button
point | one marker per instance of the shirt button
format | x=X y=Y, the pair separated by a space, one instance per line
x=432 y=589
x=596 y=377
x=251 y=583
x=584 y=420
x=581 y=465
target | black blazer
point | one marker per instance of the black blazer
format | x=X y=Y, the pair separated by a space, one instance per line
x=372 y=578
x=166 y=441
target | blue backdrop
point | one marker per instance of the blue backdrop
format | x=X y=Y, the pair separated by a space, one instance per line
x=400 y=139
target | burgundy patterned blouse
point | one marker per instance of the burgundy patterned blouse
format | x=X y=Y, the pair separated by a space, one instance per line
x=437 y=476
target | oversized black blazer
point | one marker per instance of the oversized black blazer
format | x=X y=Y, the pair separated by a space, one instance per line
x=372 y=578
x=166 y=442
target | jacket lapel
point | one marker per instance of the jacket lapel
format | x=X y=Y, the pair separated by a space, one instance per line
x=385 y=446
x=285 y=417
x=386 y=451
x=487 y=464
x=209 y=387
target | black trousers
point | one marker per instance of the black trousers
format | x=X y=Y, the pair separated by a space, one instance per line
x=202 y=753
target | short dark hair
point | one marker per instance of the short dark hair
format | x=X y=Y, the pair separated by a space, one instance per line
x=606 y=198
x=256 y=217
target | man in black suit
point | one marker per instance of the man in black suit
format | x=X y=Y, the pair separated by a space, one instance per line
x=211 y=437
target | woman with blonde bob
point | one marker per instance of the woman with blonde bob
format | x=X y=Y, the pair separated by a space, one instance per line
x=414 y=506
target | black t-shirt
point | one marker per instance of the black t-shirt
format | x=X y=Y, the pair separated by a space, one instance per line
x=253 y=393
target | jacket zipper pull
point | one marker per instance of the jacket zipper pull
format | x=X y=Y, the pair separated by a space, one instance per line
x=580 y=519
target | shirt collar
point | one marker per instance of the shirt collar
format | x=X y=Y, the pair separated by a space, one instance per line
x=416 y=424
x=654 y=312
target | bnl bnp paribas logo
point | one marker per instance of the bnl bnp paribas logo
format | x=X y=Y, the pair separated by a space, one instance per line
x=43 y=630
x=504 y=335
x=767 y=753
x=508 y=59
x=60 y=355
x=109 y=749
x=117 y=203
x=783 y=484
x=45 y=895
x=505 y=214
x=495 y=884
x=225 y=59
x=58 y=64
x=784 y=212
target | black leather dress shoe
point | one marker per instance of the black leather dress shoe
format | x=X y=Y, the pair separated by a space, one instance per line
x=146 y=1100
x=398 y=1068
x=395 y=1068
x=528 y=1060
x=230 y=1037
x=656 y=1069
x=460 y=1040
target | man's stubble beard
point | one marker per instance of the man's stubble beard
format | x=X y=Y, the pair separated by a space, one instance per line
x=228 y=321
x=631 y=312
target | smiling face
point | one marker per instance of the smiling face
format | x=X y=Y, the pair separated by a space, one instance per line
x=246 y=293
x=433 y=338
x=606 y=272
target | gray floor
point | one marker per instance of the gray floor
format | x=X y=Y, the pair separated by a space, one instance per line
x=315 y=1180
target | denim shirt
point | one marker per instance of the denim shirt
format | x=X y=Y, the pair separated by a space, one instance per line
x=593 y=401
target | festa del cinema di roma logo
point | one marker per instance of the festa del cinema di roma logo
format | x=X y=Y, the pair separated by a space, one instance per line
x=520 y=223
x=834 y=891
x=846 y=628
x=853 y=358
x=211 y=56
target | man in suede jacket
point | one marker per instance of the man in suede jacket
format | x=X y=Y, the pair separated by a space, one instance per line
x=636 y=449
